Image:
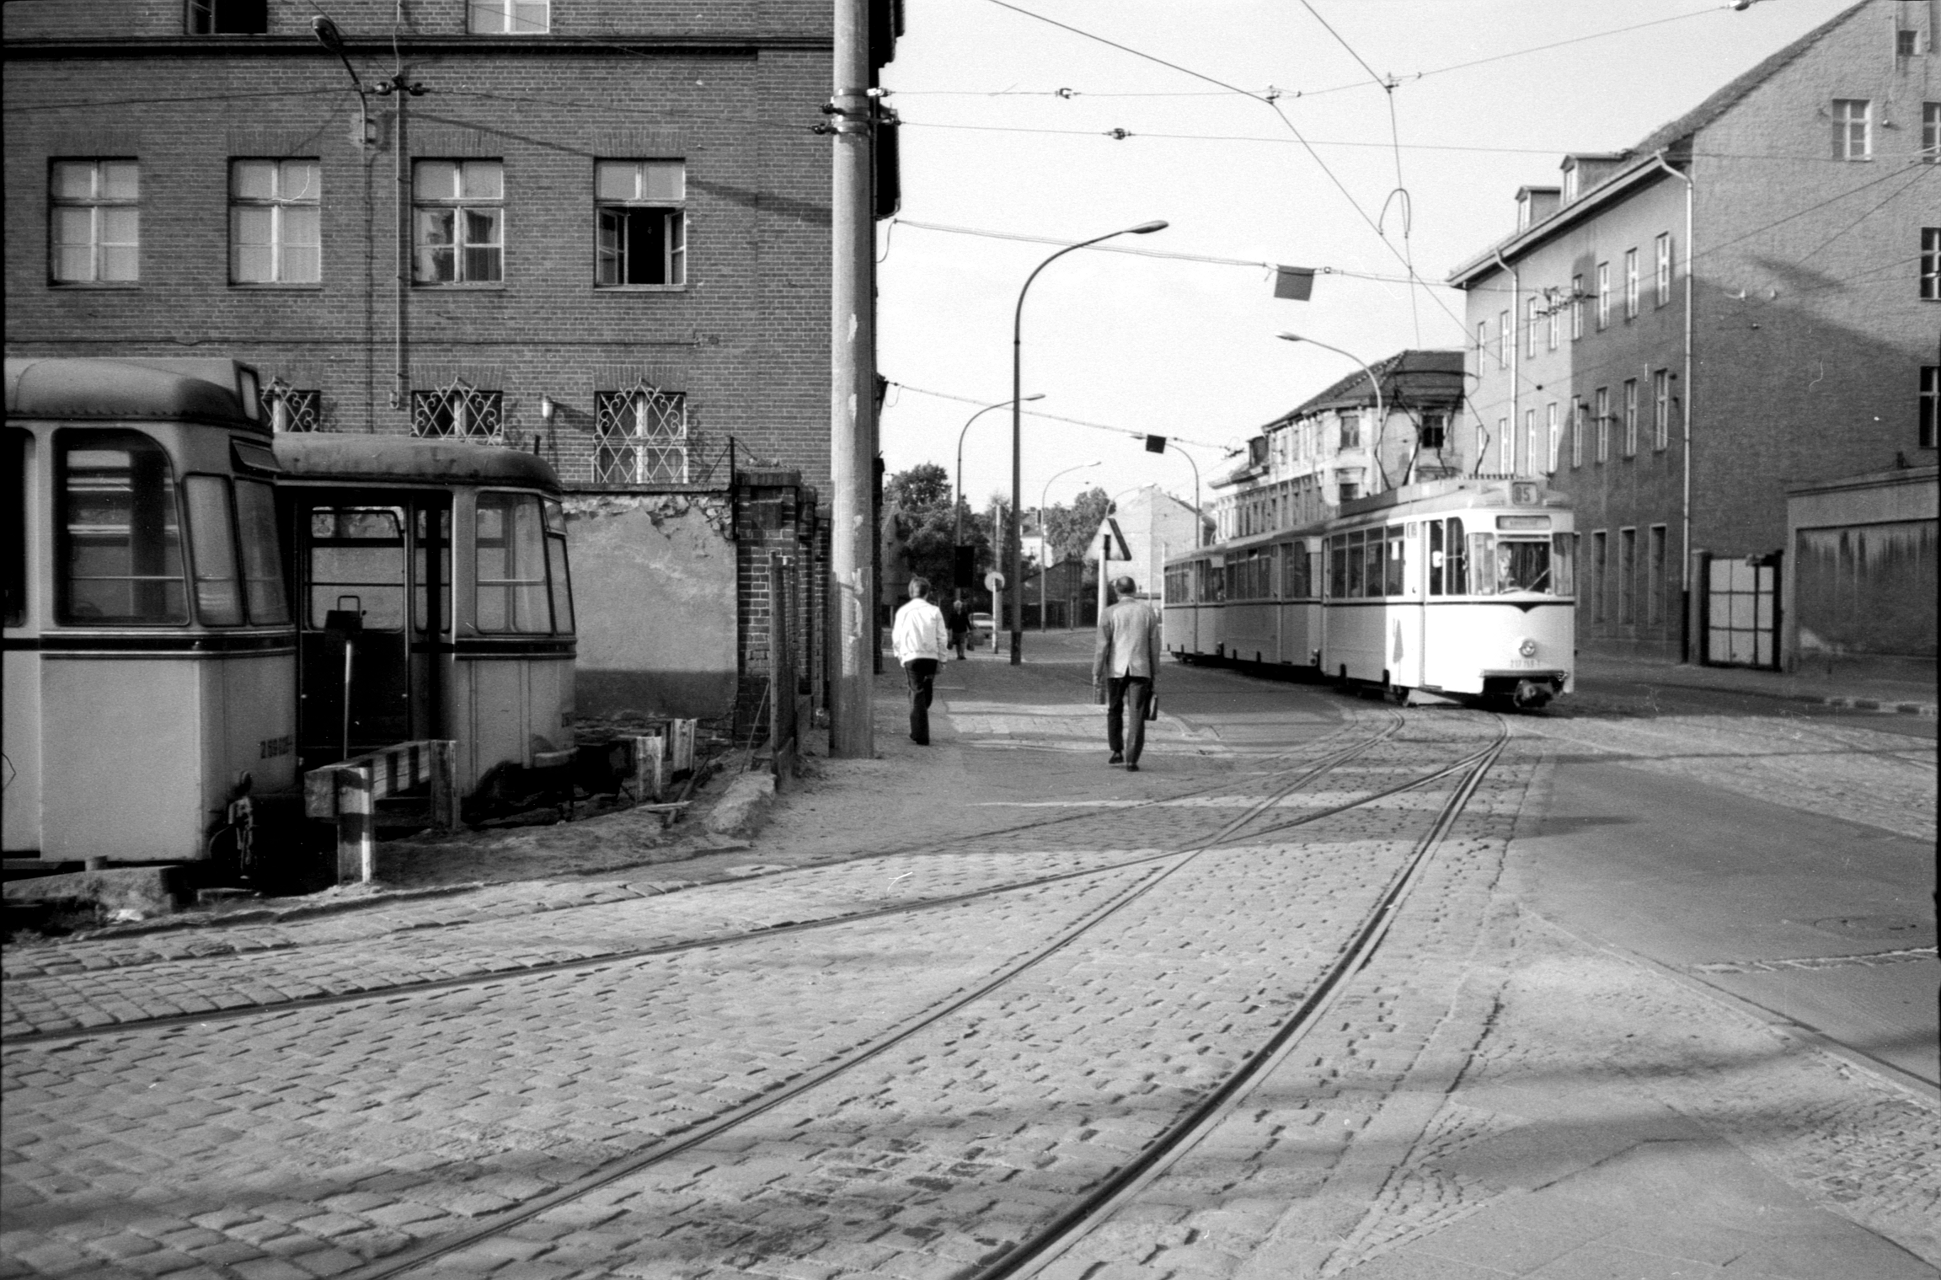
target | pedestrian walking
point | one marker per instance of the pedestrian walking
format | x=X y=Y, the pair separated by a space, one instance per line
x=957 y=619
x=1123 y=668
x=918 y=639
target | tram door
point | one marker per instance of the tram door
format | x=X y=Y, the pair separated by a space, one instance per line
x=376 y=572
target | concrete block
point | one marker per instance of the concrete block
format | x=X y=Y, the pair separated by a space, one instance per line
x=742 y=805
x=148 y=891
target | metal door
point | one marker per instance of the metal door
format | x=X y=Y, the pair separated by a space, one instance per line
x=1740 y=612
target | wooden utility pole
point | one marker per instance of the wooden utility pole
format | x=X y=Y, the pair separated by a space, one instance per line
x=852 y=400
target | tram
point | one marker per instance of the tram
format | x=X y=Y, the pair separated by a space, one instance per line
x=1463 y=588
x=198 y=609
x=150 y=675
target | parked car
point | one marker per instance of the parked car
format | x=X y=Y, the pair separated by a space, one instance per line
x=981 y=629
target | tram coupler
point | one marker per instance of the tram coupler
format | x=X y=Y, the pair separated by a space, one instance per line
x=1530 y=695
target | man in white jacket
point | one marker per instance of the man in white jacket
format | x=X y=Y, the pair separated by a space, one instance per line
x=919 y=642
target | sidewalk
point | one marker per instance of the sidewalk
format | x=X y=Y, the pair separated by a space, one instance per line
x=1906 y=688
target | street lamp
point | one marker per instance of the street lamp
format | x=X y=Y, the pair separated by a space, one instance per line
x=1043 y=497
x=1017 y=417
x=957 y=536
x=1381 y=418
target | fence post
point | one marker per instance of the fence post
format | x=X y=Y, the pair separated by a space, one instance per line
x=444 y=784
x=650 y=765
x=356 y=827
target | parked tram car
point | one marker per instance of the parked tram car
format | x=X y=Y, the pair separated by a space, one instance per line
x=1463 y=588
x=198 y=610
x=150 y=674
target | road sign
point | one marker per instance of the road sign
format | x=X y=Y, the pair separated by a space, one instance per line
x=994 y=581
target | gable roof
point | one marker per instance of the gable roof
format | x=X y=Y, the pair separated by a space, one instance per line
x=1405 y=376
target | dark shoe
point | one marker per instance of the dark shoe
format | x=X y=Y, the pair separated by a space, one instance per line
x=1132 y=768
x=1116 y=759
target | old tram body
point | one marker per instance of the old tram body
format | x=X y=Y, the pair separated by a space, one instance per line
x=434 y=599
x=150 y=679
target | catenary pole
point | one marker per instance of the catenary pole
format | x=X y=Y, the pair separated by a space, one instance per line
x=852 y=401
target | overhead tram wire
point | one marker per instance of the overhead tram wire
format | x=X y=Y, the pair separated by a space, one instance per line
x=1053 y=417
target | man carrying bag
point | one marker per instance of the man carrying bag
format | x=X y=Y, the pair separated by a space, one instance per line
x=1123 y=667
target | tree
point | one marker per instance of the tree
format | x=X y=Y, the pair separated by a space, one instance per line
x=921 y=488
x=1073 y=530
x=919 y=503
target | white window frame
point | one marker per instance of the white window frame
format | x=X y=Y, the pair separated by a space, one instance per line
x=1576 y=307
x=1533 y=308
x=464 y=206
x=280 y=204
x=1555 y=313
x=1663 y=269
x=1503 y=339
x=1577 y=414
x=1554 y=441
x=1505 y=448
x=100 y=210
x=459 y=411
x=669 y=200
x=508 y=17
x=1853 y=129
x=1930 y=132
x=641 y=436
x=1603 y=295
x=1660 y=408
x=1931 y=263
x=1630 y=284
x=1602 y=418
x=1630 y=417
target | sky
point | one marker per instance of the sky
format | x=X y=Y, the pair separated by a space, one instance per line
x=1008 y=123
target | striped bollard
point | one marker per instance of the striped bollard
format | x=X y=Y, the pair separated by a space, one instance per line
x=356 y=825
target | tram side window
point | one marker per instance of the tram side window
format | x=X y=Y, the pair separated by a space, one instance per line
x=1372 y=554
x=1357 y=567
x=512 y=565
x=1435 y=557
x=419 y=621
x=357 y=562
x=1456 y=563
x=1393 y=578
x=1482 y=564
x=269 y=604
x=121 y=553
x=556 y=564
x=13 y=593
x=212 y=542
x=1338 y=567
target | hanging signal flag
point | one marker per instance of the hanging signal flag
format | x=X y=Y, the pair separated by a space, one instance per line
x=1294 y=282
x=1155 y=444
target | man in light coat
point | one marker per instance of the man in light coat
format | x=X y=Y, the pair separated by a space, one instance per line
x=918 y=639
x=1123 y=667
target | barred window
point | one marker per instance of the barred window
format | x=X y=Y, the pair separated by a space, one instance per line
x=642 y=231
x=458 y=412
x=509 y=17
x=287 y=408
x=275 y=210
x=458 y=222
x=96 y=215
x=640 y=436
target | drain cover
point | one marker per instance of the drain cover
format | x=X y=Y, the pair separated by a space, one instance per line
x=1870 y=926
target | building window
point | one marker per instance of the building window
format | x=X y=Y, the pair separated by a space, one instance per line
x=1503 y=340
x=1627 y=579
x=1529 y=442
x=640 y=436
x=1576 y=433
x=1603 y=294
x=1576 y=307
x=508 y=17
x=1664 y=269
x=1482 y=343
x=1630 y=416
x=1655 y=564
x=1660 y=408
x=1853 y=134
x=1907 y=43
x=1555 y=311
x=1506 y=448
x=458 y=412
x=1931 y=263
x=1930 y=132
x=229 y=17
x=642 y=236
x=458 y=217
x=1603 y=421
x=1434 y=430
x=96 y=216
x=1535 y=308
x=1554 y=441
x=1630 y=284
x=1351 y=428
x=1599 y=574
x=1930 y=411
x=287 y=408
x=275 y=222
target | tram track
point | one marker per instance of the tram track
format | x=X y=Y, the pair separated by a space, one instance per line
x=1099 y=1203
x=1305 y=773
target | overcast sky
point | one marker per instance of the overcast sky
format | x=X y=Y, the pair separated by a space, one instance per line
x=1188 y=349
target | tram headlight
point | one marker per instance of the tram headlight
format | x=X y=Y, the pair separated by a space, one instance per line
x=1527 y=647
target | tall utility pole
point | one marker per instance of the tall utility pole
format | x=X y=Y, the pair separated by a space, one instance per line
x=852 y=387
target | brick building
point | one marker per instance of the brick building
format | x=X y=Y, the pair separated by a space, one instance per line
x=600 y=232
x=1340 y=444
x=1759 y=279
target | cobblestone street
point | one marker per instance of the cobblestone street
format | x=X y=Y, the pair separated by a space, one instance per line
x=945 y=995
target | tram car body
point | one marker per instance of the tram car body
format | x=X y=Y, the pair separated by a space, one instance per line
x=1463 y=588
x=439 y=570
x=149 y=648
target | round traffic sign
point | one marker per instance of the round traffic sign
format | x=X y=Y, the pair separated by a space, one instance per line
x=994 y=581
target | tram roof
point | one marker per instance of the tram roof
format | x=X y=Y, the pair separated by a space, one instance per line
x=402 y=459
x=137 y=389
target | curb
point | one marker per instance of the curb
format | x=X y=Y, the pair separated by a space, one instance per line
x=1847 y=702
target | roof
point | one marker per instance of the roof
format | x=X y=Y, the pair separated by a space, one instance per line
x=395 y=459
x=1405 y=377
x=1639 y=165
x=137 y=390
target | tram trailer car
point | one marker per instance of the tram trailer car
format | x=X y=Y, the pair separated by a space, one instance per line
x=149 y=670
x=441 y=567
x=1456 y=587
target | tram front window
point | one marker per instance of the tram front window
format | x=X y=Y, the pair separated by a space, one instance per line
x=357 y=553
x=556 y=562
x=1509 y=566
x=512 y=595
x=121 y=553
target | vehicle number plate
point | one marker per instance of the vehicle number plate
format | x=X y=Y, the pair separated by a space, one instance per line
x=1523 y=664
